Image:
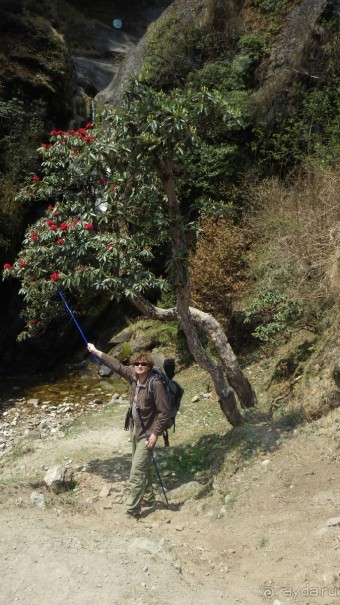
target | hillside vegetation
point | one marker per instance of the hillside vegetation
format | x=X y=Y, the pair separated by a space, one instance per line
x=263 y=196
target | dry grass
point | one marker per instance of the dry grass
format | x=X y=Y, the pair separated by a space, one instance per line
x=297 y=233
x=217 y=269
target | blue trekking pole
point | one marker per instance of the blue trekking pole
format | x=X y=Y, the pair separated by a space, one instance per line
x=153 y=457
x=77 y=324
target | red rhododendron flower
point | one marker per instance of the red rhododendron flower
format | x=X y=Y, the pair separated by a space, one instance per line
x=7 y=266
x=22 y=264
x=109 y=246
x=81 y=131
x=102 y=180
x=57 y=213
x=54 y=276
x=88 y=226
x=34 y=236
x=53 y=227
x=89 y=126
x=50 y=222
x=88 y=139
x=36 y=178
x=74 y=153
x=60 y=241
x=63 y=226
x=53 y=133
x=71 y=132
x=50 y=208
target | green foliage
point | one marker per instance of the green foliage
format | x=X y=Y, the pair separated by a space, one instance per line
x=305 y=121
x=269 y=6
x=162 y=65
x=293 y=262
x=35 y=61
x=177 y=47
x=273 y=313
x=125 y=352
x=107 y=215
x=228 y=75
x=251 y=49
x=214 y=75
x=312 y=130
x=21 y=126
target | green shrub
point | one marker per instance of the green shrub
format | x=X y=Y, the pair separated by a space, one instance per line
x=312 y=129
x=270 y=6
x=274 y=314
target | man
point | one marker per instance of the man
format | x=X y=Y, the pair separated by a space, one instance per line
x=150 y=416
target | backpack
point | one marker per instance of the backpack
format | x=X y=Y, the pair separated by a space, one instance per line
x=174 y=393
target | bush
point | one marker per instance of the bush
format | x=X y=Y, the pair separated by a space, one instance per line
x=217 y=268
x=270 y=6
x=294 y=262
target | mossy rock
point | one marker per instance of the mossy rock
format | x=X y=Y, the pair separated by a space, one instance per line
x=122 y=352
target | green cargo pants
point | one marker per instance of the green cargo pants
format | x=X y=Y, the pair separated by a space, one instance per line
x=140 y=476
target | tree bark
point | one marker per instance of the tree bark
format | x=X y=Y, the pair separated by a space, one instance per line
x=236 y=378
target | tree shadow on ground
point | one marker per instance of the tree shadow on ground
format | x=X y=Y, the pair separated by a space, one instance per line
x=206 y=457
x=114 y=469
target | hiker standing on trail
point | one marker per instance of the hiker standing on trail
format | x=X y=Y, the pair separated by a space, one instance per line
x=148 y=412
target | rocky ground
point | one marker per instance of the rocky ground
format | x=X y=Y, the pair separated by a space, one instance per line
x=267 y=531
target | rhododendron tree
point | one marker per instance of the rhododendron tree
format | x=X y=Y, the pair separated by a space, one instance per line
x=111 y=206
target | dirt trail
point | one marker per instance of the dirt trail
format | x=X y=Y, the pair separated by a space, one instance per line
x=270 y=541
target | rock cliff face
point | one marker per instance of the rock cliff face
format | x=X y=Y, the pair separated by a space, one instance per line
x=34 y=61
x=69 y=52
x=98 y=61
x=300 y=26
x=293 y=36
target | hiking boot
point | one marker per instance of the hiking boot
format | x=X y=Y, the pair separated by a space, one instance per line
x=132 y=514
x=148 y=504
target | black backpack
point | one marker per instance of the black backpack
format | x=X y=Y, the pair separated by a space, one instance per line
x=174 y=393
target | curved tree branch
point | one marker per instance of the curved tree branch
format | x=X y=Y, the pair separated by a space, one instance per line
x=213 y=329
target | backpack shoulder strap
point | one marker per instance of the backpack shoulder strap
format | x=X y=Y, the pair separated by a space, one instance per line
x=156 y=375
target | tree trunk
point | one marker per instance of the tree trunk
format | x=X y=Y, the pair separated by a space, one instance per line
x=190 y=318
x=226 y=395
x=229 y=361
x=210 y=326
x=236 y=378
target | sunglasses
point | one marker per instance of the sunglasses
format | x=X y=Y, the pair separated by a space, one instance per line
x=141 y=363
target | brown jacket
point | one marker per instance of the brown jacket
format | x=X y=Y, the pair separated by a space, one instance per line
x=155 y=409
